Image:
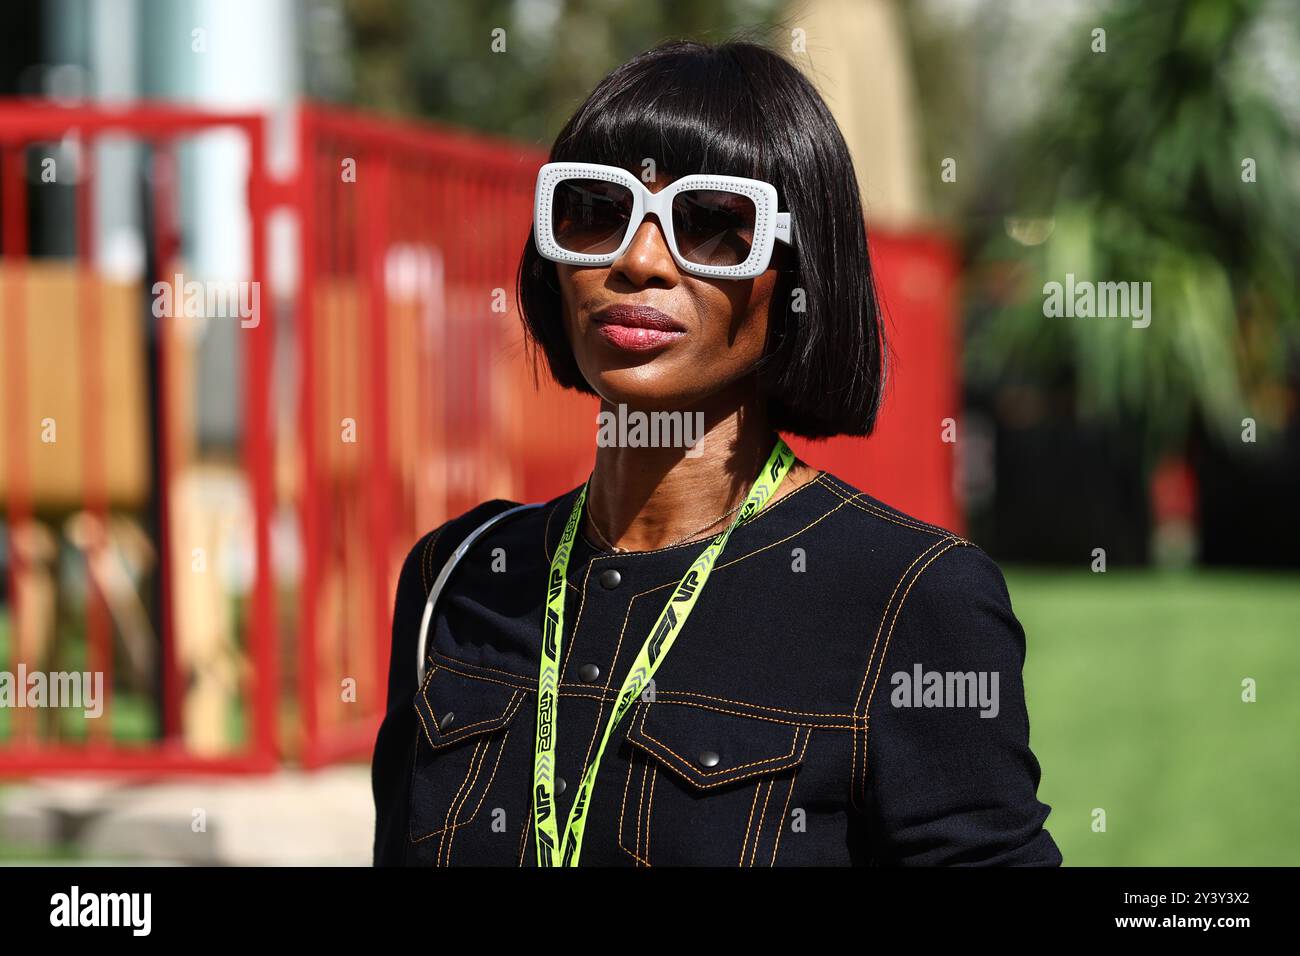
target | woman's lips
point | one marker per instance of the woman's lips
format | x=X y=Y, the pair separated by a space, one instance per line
x=637 y=328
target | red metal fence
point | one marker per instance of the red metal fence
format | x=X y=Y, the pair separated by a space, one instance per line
x=400 y=397
x=407 y=329
x=102 y=495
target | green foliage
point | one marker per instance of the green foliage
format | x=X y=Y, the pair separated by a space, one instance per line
x=1137 y=165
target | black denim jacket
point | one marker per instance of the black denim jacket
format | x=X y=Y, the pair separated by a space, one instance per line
x=820 y=707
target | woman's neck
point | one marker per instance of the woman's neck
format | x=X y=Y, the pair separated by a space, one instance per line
x=644 y=498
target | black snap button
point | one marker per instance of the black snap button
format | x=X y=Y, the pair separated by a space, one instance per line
x=610 y=579
x=447 y=718
x=709 y=759
x=559 y=785
x=589 y=672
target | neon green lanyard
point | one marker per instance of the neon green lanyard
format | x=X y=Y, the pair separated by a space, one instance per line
x=655 y=648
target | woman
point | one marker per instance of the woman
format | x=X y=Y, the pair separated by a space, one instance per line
x=742 y=659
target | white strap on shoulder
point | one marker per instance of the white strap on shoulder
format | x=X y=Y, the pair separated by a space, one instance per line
x=441 y=580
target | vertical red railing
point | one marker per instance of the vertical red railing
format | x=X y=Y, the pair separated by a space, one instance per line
x=90 y=345
x=259 y=442
x=166 y=226
x=24 y=124
x=443 y=200
x=13 y=165
x=309 y=225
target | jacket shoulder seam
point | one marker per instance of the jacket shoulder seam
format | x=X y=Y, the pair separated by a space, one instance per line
x=861 y=502
x=937 y=548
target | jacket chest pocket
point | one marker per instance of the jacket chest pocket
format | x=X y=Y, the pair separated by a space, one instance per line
x=463 y=728
x=707 y=787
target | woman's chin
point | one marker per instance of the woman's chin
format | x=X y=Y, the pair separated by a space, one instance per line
x=654 y=393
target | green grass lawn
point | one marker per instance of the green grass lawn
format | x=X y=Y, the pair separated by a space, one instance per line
x=1134 y=685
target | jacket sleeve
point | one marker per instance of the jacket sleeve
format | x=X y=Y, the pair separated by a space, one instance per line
x=950 y=777
x=390 y=769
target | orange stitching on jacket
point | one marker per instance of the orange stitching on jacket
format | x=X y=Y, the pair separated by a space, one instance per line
x=781 y=827
x=475 y=761
x=897 y=612
x=649 y=812
x=849 y=718
x=817 y=521
x=627 y=615
x=427 y=556
x=713 y=773
x=459 y=732
x=892 y=624
x=445 y=843
x=600 y=712
x=518 y=679
x=582 y=604
x=853 y=770
x=746 y=703
x=672 y=584
x=867 y=507
x=749 y=823
x=447 y=819
x=627 y=785
x=453 y=827
x=850 y=721
x=510 y=709
x=758 y=833
x=884 y=614
x=427 y=677
x=490 y=680
x=640 y=806
x=632 y=760
x=859 y=500
x=482 y=796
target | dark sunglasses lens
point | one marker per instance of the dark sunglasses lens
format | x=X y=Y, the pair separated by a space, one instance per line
x=713 y=227
x=590 y=216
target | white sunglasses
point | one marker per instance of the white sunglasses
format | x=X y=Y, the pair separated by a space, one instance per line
x=586 y=214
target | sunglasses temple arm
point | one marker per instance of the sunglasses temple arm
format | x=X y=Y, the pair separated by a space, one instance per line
x=783 y=228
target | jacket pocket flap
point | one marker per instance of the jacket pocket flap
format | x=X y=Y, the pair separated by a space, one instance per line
x=453 y=707
x=711 y=748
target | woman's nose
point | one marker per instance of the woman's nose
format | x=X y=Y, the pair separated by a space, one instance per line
x=646 y=261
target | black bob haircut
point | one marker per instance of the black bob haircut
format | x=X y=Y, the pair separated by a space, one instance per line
x=739 y=109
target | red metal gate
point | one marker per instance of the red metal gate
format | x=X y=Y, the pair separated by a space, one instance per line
x=101 y=499
x=413 y=405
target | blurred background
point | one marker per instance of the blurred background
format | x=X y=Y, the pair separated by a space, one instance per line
x=208 y=498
